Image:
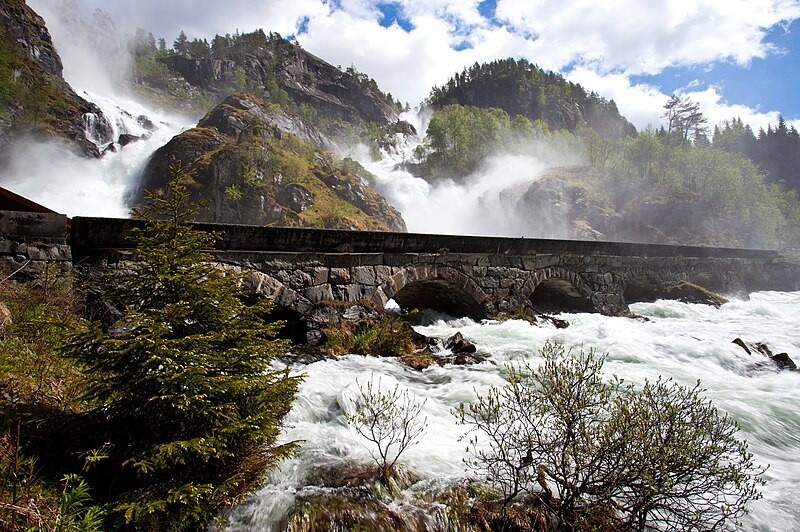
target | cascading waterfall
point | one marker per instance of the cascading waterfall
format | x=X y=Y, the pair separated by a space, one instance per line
x=96 y=60
x=483 y=204
x=79 y=186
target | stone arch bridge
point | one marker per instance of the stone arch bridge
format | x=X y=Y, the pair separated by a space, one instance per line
x=477 y=277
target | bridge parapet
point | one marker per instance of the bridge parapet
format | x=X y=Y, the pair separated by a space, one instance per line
x=31 y=240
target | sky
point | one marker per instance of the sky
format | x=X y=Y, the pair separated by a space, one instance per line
x=736 y=58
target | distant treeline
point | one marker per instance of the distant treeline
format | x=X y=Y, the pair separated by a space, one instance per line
x=776 y=151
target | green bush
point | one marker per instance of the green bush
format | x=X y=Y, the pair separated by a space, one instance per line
x=389 y=419
x=387 y=335
x=660 y=457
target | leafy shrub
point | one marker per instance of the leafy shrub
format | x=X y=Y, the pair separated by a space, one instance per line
x=387 y=335
x=660 y=457
x=390 y=419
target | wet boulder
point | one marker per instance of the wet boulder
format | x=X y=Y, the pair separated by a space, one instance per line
x=781 y=361
x=458 y=344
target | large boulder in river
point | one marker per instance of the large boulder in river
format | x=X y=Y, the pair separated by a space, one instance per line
x=257 y=164
x=458 y=344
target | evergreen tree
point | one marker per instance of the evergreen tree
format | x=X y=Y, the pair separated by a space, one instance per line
x=685 y=121
x=181 y=44
x=187 y=401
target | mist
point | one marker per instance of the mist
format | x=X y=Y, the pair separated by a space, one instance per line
x=480 y=205
x=95 y=55
x=487 y=202
x=97 y=62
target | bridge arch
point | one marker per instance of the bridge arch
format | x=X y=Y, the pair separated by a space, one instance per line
x=437 y=287
x=556 y=289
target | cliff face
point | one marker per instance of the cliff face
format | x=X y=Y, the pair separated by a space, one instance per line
x=34 y=98
x=258 y=60
x=254 y=163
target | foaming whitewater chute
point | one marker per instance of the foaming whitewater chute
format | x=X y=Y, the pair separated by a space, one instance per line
x=96 y=60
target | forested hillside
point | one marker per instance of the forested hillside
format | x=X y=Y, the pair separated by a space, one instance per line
x=521 y=88
x=667 y=185
x=776 y=150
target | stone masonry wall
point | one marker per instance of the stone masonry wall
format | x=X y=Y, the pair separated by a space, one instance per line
x=29 y=241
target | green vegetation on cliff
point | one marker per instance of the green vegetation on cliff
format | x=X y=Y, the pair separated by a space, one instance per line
x=34 y=98
x=460 y=138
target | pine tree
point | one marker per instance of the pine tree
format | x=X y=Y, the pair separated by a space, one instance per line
x=189 y=405
x=181 y=44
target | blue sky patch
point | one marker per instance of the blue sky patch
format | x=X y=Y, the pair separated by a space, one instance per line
x=766 y=84
x=393 y=13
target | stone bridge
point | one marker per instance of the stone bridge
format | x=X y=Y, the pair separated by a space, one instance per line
x=477 y=277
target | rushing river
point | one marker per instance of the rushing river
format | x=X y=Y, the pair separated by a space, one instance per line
x=684 y=341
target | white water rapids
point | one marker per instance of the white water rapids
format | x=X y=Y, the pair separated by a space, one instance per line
x=683 y=341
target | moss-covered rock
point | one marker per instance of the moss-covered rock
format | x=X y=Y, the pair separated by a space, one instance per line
x=255 y=163
x=692 y=293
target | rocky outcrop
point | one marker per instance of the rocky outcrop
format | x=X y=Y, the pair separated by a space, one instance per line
x=261 y=59
x=257 y=164
x=34 y=98
x=239 y=112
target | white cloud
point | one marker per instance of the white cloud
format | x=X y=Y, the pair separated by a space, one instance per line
x=643 y=104
x=598 y=44
x=203 y=18
x=646 y=37
x=717 y=110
